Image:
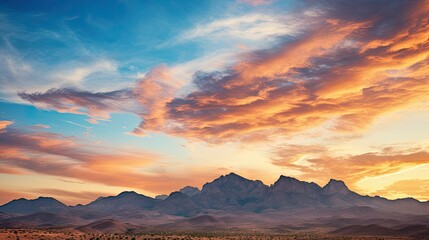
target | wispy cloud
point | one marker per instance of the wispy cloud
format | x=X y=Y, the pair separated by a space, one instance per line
x=40 y=126
x=74 y=158
x=4 y=124
x=256 y=2
x=46 y=66
x=77 y=75
x=97 y=105
x=242 y=29
x=87 y=129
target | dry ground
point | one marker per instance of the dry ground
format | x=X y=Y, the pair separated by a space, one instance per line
x=39 y=234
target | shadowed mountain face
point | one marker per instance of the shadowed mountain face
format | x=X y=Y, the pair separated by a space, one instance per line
x=190 y=191
x=124 y=201
x=288 y=192
x=229 y=201
x=231 y=191
x=179 y=204
x=335 y=187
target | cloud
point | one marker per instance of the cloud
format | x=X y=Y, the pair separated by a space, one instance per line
x=97 y=105
x=87 y=129
x=40 y=126
x=244 y=29
x=312 y=160
x=405 y=188
x=348 y=67
x=292 y=154
x=69 y=157
x=7 y=196
x=153 y=92
x=77 y=75
x=255 y=2
x=4 y=124
x=35 y=70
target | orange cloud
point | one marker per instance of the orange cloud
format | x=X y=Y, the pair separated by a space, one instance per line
x=404 y=188
x=318 y=160
x=333 y=71
x=153 y=92
x=7 y=196
x=4 y=124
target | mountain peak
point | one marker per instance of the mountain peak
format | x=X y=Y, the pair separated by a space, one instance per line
x=128 y=193
x=176 y=195
x=190 y=191
x=46 y=199
x=287 y=184
x=283 y=177
x=336 y=186
x=228 y=179
x=231 y=190
x=161 y=197
x=127 y=200
x=284 y=180
x=233 y=175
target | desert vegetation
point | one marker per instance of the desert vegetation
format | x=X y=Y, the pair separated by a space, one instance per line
x=69 y=234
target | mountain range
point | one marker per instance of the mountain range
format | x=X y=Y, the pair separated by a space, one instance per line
x=229 y=202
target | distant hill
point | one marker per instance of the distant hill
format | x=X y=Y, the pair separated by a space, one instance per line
x=41 y=204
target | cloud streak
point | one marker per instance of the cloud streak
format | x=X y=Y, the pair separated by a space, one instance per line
x=4 y=124
x=97 y=105
x=57 y=155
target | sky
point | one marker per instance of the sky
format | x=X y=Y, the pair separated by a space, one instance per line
x=100 y=97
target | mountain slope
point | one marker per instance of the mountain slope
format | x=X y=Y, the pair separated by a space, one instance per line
x=178 y=204
x=125 y=201
x=231 y=191
x=41 y=204
x=105 y=226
